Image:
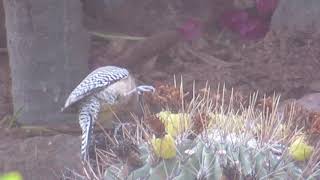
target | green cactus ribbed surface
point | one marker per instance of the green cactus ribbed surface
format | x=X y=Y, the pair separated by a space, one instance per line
x=215 y=144
x=214 y=156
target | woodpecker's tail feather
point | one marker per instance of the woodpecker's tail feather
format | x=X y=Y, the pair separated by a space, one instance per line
x=87 y=116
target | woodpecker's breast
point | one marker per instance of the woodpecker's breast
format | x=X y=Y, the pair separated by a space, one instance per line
x=114 y=95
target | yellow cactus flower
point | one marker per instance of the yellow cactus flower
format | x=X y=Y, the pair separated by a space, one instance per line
x=174 y=123
x=11 y=176
x=164 y=147
x=300 y=150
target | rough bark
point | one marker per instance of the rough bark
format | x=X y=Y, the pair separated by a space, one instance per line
x=48 y=49
x=5 y=86
x=2 y=27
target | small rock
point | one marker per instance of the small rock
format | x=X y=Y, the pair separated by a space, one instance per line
x=310 y=102
x=315 y=86
x=296 y=16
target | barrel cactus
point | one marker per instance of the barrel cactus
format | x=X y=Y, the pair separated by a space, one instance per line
x=207 y=141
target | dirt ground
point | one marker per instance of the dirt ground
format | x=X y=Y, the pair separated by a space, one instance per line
x=275 y=64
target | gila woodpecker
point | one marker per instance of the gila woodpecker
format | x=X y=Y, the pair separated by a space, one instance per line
x=104 y=88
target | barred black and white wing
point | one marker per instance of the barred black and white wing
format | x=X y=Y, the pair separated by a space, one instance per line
x=95 y=81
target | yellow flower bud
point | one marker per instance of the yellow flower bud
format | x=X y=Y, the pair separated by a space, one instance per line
x=174 y=123
x=164 y=147
x=300 y=150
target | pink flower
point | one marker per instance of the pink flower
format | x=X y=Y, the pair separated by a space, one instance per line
x=233 y=19
x=191 y=29
x=266 y=8
x=254 y=28
x=245 y=24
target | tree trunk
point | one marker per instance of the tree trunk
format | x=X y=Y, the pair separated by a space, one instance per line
x=2 y=27
x=48 y=50
x=5 y=86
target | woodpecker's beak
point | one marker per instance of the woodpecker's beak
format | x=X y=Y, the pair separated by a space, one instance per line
x=145 y=88
x=141 y=89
